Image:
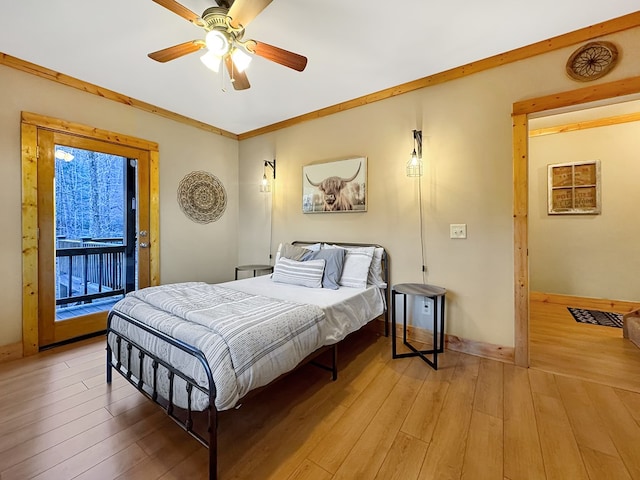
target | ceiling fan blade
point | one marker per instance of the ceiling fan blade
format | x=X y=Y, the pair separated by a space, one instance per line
x=177 y=51
x=242 y=12
x=181 y=10
x=278 y=55
x=239 y=79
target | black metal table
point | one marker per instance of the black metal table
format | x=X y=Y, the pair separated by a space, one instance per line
x=255 y=268
x=437 y=294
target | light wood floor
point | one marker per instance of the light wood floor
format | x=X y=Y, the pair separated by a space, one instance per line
x=561 y=345
x=382 y=419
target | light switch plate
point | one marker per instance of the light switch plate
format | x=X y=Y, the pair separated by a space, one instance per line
x=458 y=230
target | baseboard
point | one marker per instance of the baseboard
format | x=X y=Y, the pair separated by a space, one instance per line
x=462 y=345
x=620 y=306
x=10 y=352
x=480 y=349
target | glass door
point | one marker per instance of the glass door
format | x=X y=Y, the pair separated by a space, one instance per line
x=92 y=207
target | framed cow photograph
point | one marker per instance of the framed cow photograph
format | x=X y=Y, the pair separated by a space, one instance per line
x=335 y=187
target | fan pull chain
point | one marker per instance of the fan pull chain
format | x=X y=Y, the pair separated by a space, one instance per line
x=222 y=76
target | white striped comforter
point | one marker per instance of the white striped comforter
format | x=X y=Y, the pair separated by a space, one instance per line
x=249 y=340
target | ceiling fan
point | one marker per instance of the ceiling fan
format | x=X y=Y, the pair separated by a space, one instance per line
x=224 y=39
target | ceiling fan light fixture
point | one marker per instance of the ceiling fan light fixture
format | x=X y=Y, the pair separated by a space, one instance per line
x=240 y=59
x=225 y=25
x=217 y=42
x=211 y=61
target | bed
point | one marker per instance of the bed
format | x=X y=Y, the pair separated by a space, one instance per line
x=195 y=347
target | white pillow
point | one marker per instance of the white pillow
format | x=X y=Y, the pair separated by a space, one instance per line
x=375 y=270
x=305 y=274
x=314 y=247
x=356 y=265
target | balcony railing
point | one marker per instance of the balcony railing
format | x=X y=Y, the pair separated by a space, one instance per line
x=89 y=269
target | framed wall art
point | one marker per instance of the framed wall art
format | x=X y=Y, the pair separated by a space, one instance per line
x=574 y=188
x=337 y=186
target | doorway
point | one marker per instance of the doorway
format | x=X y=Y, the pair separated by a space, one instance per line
x=521 y=112
x=585 y=260
x=89 y=226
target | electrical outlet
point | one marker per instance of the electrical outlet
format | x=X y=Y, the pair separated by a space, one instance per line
x=426 y=307
x=458 y=230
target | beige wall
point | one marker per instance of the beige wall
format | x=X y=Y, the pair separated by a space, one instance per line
x=188 y=251
x=466 y=124
x=594 y=256
x=468 y=179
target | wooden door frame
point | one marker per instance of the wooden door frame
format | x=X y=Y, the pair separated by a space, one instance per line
x=520 y=114
x=30 y=124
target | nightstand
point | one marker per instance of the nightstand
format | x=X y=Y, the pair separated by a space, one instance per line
x=437 y=294
x=255 y=268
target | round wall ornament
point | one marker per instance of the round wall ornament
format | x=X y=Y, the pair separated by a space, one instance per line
x=592 y=61
x=202 y=197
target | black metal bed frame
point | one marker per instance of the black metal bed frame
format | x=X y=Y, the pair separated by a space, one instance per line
x=125 y=368
x=209 y=440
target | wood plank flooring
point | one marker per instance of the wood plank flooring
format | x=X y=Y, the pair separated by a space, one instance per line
x=561 y=345
x=382 y=419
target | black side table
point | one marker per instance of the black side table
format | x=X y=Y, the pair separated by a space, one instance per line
x=255 y=268
x=436 y=294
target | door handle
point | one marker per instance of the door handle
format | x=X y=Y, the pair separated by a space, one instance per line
x=144 y=245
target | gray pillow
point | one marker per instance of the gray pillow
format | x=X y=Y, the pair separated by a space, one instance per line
x=292 y=252
x=334 y=263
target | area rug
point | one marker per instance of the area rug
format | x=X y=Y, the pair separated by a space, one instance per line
x=596 y=317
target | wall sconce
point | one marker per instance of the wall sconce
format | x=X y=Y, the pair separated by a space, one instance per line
x=414 y=165
x=265 y=185
x=414 y=169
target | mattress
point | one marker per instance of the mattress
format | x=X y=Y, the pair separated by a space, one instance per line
x=347 y=309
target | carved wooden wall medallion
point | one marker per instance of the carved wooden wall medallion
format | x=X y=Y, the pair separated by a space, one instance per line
x=592 y=61
x=202 y=197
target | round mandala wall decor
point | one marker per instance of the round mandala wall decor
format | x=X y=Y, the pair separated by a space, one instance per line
x=592 y=61
x=202 y=197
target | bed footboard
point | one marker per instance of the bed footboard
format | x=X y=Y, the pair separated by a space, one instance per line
x=133 y=355
x=125 y=366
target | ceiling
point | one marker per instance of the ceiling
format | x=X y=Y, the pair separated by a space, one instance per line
x=354 y=47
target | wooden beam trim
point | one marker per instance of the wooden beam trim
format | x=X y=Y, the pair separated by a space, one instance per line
x=29 y=142
x=79 y=130
x=588 y=33
x=69 y=81
x=573 y=127
x=592 y=93
x=521 y=239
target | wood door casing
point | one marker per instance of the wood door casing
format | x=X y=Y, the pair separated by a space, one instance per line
x=40 y=134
